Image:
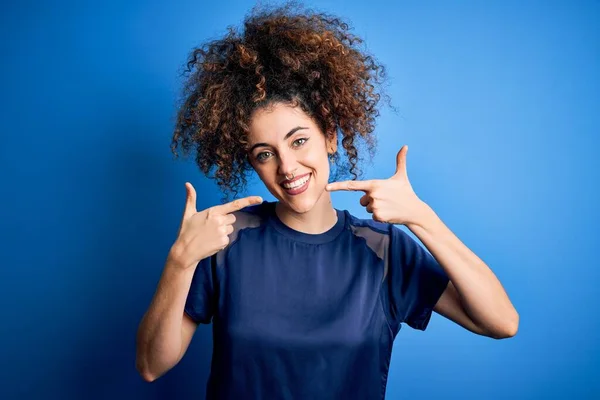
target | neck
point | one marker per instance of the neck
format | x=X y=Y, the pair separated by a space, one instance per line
x=319 y=219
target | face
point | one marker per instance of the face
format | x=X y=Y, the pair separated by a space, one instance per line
x=284 y=140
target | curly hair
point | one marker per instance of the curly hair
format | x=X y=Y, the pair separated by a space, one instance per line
x=288 y=55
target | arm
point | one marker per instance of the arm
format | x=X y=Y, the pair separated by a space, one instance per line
x=474 y=298
x=165 y=331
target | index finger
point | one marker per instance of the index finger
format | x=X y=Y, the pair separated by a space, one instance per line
x=364 y=186
x=237 y=204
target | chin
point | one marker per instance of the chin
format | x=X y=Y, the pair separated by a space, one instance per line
x=298 y=206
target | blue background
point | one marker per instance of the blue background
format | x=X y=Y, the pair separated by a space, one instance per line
x=498 y=101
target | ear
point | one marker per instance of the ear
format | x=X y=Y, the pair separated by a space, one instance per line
x=332 y=142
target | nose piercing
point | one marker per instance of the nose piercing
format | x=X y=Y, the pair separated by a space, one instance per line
x=289 y=179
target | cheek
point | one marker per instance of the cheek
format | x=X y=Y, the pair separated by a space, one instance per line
x=260 y=171
x=321 y=165
x=266 y=173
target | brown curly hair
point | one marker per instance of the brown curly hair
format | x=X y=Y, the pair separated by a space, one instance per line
x=286 y=54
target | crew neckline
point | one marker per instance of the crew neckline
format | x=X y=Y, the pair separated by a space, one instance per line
x=311 y=238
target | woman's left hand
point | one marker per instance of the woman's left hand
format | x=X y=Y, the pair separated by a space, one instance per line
x=391 y=200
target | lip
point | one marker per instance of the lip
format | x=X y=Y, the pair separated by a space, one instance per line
x=293 y=180
x=298 y=190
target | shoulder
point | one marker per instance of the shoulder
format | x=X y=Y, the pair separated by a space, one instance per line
x=379 y=235
x=246 y=219
x=357 y=225
x=252 y=216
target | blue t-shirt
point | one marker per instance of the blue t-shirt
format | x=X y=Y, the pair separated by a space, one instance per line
x=310 y=316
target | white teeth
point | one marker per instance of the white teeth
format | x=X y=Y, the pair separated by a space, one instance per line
x=297 y=183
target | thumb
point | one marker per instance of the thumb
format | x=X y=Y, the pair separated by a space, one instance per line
x=190 y=202
x=401 y=163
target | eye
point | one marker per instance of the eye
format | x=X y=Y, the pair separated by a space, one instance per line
x=261 y=157
x=296 y=143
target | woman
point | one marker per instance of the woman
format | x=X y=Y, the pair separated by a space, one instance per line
x=305 y=299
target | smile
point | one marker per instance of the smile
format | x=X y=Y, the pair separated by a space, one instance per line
x=298 y=185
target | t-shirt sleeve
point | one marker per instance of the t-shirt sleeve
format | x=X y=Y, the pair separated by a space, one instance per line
x=415 y=281
x=199 y=304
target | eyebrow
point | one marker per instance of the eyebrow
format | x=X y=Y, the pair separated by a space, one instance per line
x=290 y=133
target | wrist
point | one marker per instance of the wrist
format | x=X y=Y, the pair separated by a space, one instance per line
x=177 y=258
x=424 y=217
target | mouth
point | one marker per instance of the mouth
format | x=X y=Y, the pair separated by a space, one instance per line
x=296 y=186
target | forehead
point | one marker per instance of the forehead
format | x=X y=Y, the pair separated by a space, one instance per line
x=277 y=120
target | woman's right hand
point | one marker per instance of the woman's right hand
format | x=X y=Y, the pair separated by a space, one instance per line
x=202 y=234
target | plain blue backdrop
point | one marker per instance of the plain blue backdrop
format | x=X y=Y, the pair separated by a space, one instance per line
x=499 y=103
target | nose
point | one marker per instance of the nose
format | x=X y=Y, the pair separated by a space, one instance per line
x=288 y=164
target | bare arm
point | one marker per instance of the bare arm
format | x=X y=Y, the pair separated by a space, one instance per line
x=475 y=298
x=165 y=331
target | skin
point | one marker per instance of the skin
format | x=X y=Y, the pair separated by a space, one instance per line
x=273 y=155
x=474 y=297
x=165 y=332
